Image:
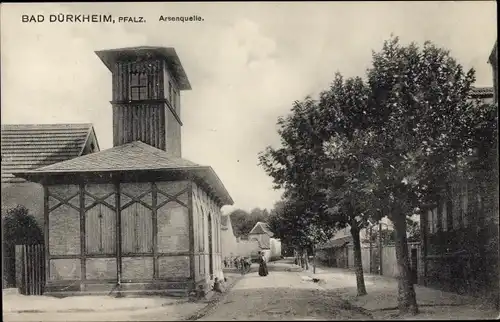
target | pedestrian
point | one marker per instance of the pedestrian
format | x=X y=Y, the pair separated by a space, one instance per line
x=248 y=264
x=242 y=265
x=262 y=265
x=217 y=286
x=236 y=261
x=225 y=262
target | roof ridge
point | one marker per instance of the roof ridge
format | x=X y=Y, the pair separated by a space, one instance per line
x=14 y=126
x=161 y=153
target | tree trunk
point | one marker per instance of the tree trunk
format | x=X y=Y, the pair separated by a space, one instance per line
x=314 y=260
x=306 y=259
x=358 y=264
x=407 y=301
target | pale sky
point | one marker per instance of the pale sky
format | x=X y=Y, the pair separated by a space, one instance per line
x=247 y=63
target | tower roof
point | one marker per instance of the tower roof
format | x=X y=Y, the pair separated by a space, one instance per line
x=110 y=56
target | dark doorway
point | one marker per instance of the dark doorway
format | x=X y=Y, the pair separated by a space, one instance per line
x=414 y=265
x=210 y=250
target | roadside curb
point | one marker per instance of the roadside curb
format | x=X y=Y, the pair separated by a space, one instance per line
x=124 y=309
x=214 y=302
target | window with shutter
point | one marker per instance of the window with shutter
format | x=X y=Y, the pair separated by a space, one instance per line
x=464 y=203
x=429 y=222
x=444 y=217
x=136 y=218
x=456 y=207
x=144 y=80
x=100 y=226
x=100 y=219
x=137 y=229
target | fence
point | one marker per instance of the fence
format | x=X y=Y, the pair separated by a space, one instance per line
x=387 y=265
x=30 y=269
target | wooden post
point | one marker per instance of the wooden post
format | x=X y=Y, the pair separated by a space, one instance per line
x=46 y=234
x=371 y=249
x=380 y=245
x=118 y=234
x=314 y=260
x=83 y=251
x=19 y=267
x=25 y=271
x=40 y=269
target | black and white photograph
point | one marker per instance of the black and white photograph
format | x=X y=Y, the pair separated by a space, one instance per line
x=222 y=161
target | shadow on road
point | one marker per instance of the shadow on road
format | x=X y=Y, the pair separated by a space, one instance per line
x=284 y=303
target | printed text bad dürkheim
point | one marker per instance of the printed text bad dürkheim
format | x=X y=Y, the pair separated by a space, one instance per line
x=99 y=18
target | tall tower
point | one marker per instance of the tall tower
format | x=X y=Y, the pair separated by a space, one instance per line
x=146 y=96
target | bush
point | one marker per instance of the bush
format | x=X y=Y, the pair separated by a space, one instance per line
x=19 y=228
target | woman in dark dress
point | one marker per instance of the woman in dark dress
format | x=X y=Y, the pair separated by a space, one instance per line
x=262 y=265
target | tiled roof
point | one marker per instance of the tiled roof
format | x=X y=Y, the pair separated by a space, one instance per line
x=134 y=156
x=481 y=91
x=30 y=146
x=131 y=156
x=261 y=228
x=337 y=242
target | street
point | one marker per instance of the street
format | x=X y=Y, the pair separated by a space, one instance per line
x=280 y=296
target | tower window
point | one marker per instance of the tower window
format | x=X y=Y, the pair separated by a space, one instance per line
x=139 y=86
x=170 y=91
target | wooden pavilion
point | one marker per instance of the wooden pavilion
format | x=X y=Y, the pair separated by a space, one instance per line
x=135 y=218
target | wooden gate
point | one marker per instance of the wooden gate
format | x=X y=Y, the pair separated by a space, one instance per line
x=30 y=269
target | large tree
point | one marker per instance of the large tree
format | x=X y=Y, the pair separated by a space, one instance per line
x=421 y=119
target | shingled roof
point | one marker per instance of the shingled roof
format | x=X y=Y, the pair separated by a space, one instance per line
x=336 y=242
x=482 y=92
x=261 y=228
x=134 y=156
x=30 y=146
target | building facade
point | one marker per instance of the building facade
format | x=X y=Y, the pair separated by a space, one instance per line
x=136 y=218
x=460 y=229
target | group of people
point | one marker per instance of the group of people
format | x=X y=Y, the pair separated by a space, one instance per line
x=243 y=264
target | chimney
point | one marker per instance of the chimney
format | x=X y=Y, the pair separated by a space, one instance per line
x=147 y=82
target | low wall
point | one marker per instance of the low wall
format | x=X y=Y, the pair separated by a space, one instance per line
x=388 y=253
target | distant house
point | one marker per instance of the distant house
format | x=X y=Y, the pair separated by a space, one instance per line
x=271 y=247
x=31 y=146
x=338 y=251
x=485 y=95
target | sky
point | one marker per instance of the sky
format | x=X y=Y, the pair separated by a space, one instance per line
x=247 y=64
